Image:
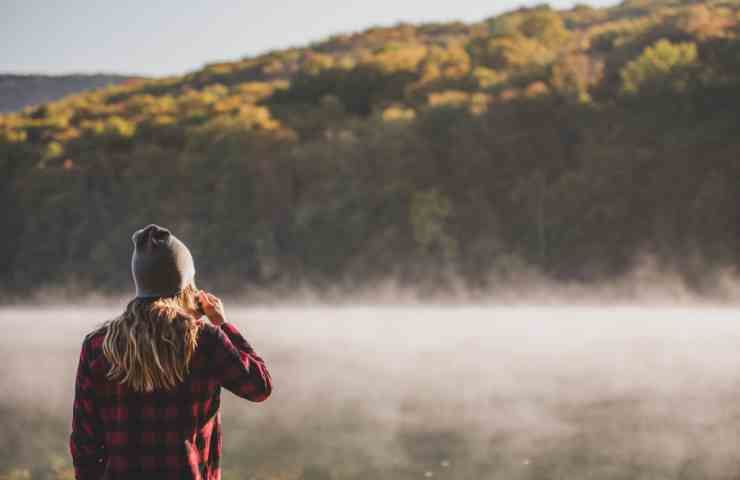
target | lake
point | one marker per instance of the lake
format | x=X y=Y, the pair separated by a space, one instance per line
x=430 y=392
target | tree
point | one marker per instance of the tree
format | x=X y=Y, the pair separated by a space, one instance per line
x=664 y=65
x=573 y=75
x=429 y=212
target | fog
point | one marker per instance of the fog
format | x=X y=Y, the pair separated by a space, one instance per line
x=431 y=392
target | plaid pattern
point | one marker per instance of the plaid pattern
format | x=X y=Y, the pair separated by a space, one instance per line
x=176 y=434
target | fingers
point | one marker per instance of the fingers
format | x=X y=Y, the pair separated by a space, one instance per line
x=212 y=306
x=210 y=300
x=213 y=298
x=204 y=298
x=216 y=302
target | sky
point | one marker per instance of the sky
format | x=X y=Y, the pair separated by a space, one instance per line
x=171 y=37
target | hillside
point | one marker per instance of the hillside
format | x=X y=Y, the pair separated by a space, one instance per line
x=20 y=91
x=571 y=142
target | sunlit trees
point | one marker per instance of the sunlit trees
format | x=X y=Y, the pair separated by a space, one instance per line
x=573 y=75
x=703 y=22
x=399 y=58
x=567 y=140
x=524 y=41
x=517 y=53
x=664 y=65
x=542 y=24
x=488 y=77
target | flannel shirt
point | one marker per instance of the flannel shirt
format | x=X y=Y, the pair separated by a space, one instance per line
x=118 y=433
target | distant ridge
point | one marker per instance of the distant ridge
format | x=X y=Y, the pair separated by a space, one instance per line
x=20 y=91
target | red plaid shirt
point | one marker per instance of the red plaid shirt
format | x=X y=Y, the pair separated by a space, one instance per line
x=171 y=434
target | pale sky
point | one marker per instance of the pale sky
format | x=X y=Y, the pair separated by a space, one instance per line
x=164 y=37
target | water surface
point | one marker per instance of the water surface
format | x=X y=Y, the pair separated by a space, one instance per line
x=368 y=392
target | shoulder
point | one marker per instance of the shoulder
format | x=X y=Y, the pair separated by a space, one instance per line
x=91 y=355
x=211 y=336
x=93 y=341
x=208 y=331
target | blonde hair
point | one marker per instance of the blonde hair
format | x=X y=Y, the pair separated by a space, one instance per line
x=149 y=346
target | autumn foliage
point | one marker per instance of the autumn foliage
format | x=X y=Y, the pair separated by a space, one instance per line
x=568 y=141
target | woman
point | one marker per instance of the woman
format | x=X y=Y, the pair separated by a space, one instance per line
x=148 y=384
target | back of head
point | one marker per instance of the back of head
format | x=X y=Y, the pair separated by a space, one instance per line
x=150 y=344
x=161 y=264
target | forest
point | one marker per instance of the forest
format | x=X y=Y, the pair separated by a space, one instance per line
x=571 y=143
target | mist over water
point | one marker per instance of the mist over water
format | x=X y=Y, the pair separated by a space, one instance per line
x=431 y=392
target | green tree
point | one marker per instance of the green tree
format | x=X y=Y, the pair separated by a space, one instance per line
x=664 y=65
x=429 y=213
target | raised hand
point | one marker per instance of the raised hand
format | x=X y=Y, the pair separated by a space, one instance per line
x=213 y=307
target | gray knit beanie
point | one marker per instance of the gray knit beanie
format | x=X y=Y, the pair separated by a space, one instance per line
x=161 y=265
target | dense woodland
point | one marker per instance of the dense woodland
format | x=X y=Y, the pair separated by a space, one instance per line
x=568 y=142
x=19 y=91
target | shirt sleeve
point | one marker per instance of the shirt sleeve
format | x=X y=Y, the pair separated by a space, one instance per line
x=238 y=367
x=86 y=441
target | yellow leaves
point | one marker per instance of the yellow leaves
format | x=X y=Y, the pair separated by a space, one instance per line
x=430 y=72
x=544 y=25
x=509 y=94
x=53 y=150
x=194 y=100
x=451 y=61
x=396 y=113
x=479 y=102
x=274 y=68
x=53 y=154
x=113 y=126
x=449 y=98
x=258 y=117
x=10 y=135
x=346 y=62
x=541 y=24
x=146 y=104
x=704 y=22
x=91 y=126
x=66 y=135
x=656 y=63
x=572 y=75
x=520 y=42
x=247 y=118
x=488 y=77
x=476 y=102
x=256 y=91
x=228 y=104
x=536 y=89
x=315 y=63
x=517 y=52
x=399 y=57
x=162 y=120
x=441 y=66
x=119 y=127
x=617 y=33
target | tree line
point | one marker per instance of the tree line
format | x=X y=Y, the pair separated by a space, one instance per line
x=571 y=142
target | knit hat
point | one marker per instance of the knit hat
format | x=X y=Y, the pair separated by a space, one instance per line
x=161 y=265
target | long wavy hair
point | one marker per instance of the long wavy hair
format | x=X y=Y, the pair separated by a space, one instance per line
x=149 y=346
